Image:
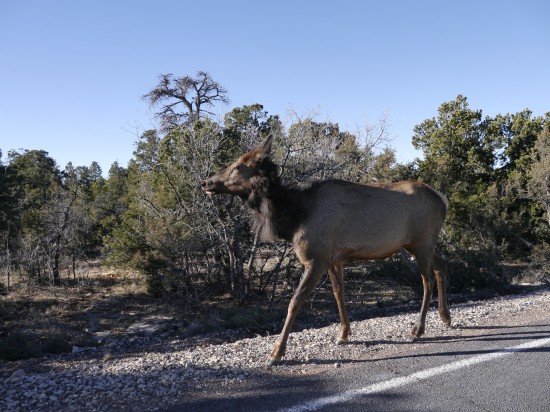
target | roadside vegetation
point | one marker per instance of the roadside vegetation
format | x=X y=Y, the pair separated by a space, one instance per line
x=145 y=233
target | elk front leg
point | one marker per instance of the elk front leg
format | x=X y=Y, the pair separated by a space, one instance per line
x=307 y=285
x=336 y=273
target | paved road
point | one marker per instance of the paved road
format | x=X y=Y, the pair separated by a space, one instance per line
x=489 y=368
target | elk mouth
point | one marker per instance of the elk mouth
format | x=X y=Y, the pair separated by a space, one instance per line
x=209 y=187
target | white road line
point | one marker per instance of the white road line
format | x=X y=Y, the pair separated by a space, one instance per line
x=415 y=377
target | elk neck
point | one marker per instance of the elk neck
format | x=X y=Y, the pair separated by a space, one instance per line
x=278 y=211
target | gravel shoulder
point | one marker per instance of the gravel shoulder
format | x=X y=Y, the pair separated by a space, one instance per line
x=143 y=370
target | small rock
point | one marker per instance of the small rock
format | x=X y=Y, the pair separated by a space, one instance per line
x=17 y=375
x=78 y=349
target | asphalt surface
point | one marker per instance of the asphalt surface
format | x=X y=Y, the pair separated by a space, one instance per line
x=482 y=368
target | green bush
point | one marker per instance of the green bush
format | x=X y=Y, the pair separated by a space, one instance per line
x=539 y=269
x=17 y=345
x=55 y=345
x=399 y=269
x=474 y=269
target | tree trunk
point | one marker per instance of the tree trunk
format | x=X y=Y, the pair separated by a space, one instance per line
x=8 y=260
x=238 y=269
x=56 y=257
x=74 y=267
x=276 y=271
x=38 y=269
x=251 y=263
x=58 y=240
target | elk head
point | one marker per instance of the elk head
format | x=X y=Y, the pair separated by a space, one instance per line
x=241 y=177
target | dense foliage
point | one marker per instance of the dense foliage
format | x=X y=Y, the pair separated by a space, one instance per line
x=153 y=216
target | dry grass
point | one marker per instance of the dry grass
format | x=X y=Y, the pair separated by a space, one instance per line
x=39 y=320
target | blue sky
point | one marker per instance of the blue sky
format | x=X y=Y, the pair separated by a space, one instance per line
x=73 y=72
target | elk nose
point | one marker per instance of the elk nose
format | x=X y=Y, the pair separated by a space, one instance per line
x=206 y=184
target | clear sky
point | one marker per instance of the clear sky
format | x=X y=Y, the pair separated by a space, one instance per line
x=72 y=73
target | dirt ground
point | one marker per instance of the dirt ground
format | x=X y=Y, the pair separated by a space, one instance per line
x=39 y=320
x=103 y=302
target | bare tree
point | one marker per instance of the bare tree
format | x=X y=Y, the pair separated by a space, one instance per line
x=184 y=100
x=376 y=136
x=313 y=150
x=182 y=225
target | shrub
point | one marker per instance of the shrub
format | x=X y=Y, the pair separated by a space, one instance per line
x=474 y=269
x=539 y=269
x=17 y=345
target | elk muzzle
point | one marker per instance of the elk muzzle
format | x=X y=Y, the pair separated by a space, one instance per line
x=211 y=185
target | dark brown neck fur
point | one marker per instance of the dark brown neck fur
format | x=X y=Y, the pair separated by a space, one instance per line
x=278 y=211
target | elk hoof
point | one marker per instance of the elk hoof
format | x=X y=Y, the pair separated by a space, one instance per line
x=341 y=341
x=417 y=331
x=273 y=361
x=413 y=338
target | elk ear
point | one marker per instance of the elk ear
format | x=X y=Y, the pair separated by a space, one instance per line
x=263 y=150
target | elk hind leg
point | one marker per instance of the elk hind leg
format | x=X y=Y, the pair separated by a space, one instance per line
x=425 y=267
x=336 y=274
x=440 y=269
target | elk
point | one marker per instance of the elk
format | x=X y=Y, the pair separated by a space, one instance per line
x=333 y=222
